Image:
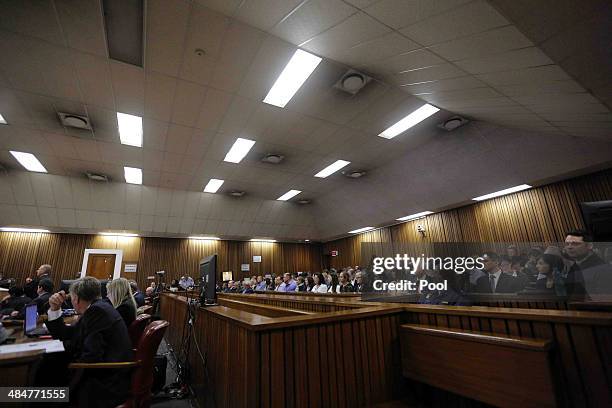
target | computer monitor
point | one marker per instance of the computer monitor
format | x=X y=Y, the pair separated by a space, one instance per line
x=208 y=278
x=31 y=315
x=598 y=219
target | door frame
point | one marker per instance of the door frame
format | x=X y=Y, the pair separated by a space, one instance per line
x=118 y=260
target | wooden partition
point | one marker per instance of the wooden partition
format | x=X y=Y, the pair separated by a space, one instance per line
x=352 y=357
x=339 y=359
x=581 y=343
x=311 y=304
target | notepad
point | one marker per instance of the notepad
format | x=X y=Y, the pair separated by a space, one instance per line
x=49 y=346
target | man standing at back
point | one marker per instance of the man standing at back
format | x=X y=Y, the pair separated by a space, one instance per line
x=98 y=336
x=579 y=247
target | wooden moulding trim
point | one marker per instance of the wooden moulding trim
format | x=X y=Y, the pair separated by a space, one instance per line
x=544 y=315
x=470 y=335
x=347 y=302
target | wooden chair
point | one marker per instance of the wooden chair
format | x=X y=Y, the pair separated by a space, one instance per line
x=142 y=375
x=22 y=367
x=137 y=328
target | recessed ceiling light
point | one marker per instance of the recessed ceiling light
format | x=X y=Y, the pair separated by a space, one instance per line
x=296 y=72
x=262 y=240
x=205 y=238
x=409 y=121
x=130 y=129
x=332 y=168
x=29 y=161
x=503 y=192
x=306 y=240
x=415 y=216
x=133 y=175
x=2 y=120
x=213 y=185
x=11 y=229
x=119 y=234
x=288 y=195
x=239 y=149
x=358 y=230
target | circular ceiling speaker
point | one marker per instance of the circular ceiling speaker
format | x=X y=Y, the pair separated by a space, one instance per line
x=236 y=193
x=353 y=82
x=453 y=123
x=304 y=201
x=75 y=121
x=354 y=174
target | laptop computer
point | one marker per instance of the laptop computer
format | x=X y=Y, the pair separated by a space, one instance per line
x=29 y=324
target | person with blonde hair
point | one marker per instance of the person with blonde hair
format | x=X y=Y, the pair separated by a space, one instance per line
x=120 y=295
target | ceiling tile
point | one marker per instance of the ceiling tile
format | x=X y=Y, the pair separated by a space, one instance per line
x=523 y=58
x=399 y=13
x=167 y=24
x=471 y=18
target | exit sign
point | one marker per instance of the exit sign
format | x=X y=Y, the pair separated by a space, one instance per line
x=334 y=253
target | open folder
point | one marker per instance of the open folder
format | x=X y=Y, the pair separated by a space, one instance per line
x=50 y=346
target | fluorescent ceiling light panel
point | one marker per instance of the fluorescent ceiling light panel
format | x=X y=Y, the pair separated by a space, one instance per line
x=11 y=229
x=503 y=192
x=364 y=229
x=409 y=121
x=2 y=120
x=130 y=129
x=29 y=161
x=296 y=72
x=415 y=216
x=213 y=185
x=332 y=168
x=289 y=195
x=262 y=240
x=240 y=149
x=119 y=234
x=205 y=238
x=133 y=175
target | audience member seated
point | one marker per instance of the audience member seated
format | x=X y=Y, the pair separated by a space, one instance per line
x=261 y=283
x=5 y=282
x=279 y=285
x=100 y=335
x=186 y=282
x=494 y=281
x=15 y=302
x=359 y=283
x=31 y=286
x=139 y=298
x=319 y=284
x=309 y=282
x=290 y=284
x=301 y=284
x=174 y=284
x=247 y=288
x=550 y=270
x=120 y=295
x=344 y=284
x=333 y=283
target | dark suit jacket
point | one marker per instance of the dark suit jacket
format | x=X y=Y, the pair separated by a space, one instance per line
x=127 y=312
x=42 y=303
x=575 y=276
x=100 y=335
x=505 y=284
x=31 y=288
x=139 y=298
x=11 y=304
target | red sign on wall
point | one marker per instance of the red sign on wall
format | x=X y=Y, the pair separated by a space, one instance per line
x=334 y=253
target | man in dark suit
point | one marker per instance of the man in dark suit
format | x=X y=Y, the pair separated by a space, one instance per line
x=44 y=290
x=99 y=336
x=31 y=286
x=579 y=247
x=495 y=281
x=15 y=303
x=138 y=295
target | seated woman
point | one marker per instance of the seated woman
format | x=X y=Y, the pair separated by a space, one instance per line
x=120 y=295
x=319 y=283
x=549 y=267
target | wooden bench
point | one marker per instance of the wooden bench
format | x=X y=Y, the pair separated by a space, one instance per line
x=505 y=371
x=262 y=309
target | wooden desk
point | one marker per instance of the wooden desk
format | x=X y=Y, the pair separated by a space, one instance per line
x=345 y=358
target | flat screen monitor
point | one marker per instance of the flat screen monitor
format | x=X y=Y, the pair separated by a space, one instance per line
x=208 y=276
x=31 y=315
x=598 y=219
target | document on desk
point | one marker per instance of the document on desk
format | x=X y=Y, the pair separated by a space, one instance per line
x=50 y=346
